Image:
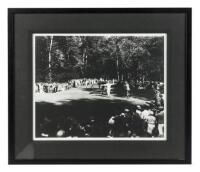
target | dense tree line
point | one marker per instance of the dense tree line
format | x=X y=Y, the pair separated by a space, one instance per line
x=60 y=58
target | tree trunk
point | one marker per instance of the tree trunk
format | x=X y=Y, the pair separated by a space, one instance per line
x=117 y=64
x=50 y=72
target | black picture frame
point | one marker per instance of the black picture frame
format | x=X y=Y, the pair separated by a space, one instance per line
x=18 y=115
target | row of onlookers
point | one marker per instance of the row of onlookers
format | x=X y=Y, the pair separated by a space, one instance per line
x=140 y=121
x=43 y=87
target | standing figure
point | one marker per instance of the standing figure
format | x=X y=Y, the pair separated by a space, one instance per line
x=127 y=89
x=160 y=118
x=157 y=98
x=102 y=86
x=108 y=88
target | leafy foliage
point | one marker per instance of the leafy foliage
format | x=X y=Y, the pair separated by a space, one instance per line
x=131 y=58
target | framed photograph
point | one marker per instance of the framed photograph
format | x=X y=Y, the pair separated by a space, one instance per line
x=100 y=86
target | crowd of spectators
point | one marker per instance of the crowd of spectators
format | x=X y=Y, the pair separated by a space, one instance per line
x=137 y=121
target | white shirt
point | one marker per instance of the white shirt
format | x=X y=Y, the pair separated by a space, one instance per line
x=111 y=120
x=146 y=113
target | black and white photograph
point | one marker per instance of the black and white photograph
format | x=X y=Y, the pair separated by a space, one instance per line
x=99 y=86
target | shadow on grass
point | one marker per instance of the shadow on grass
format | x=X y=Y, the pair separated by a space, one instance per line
x=81 y=110
x=95 y=91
